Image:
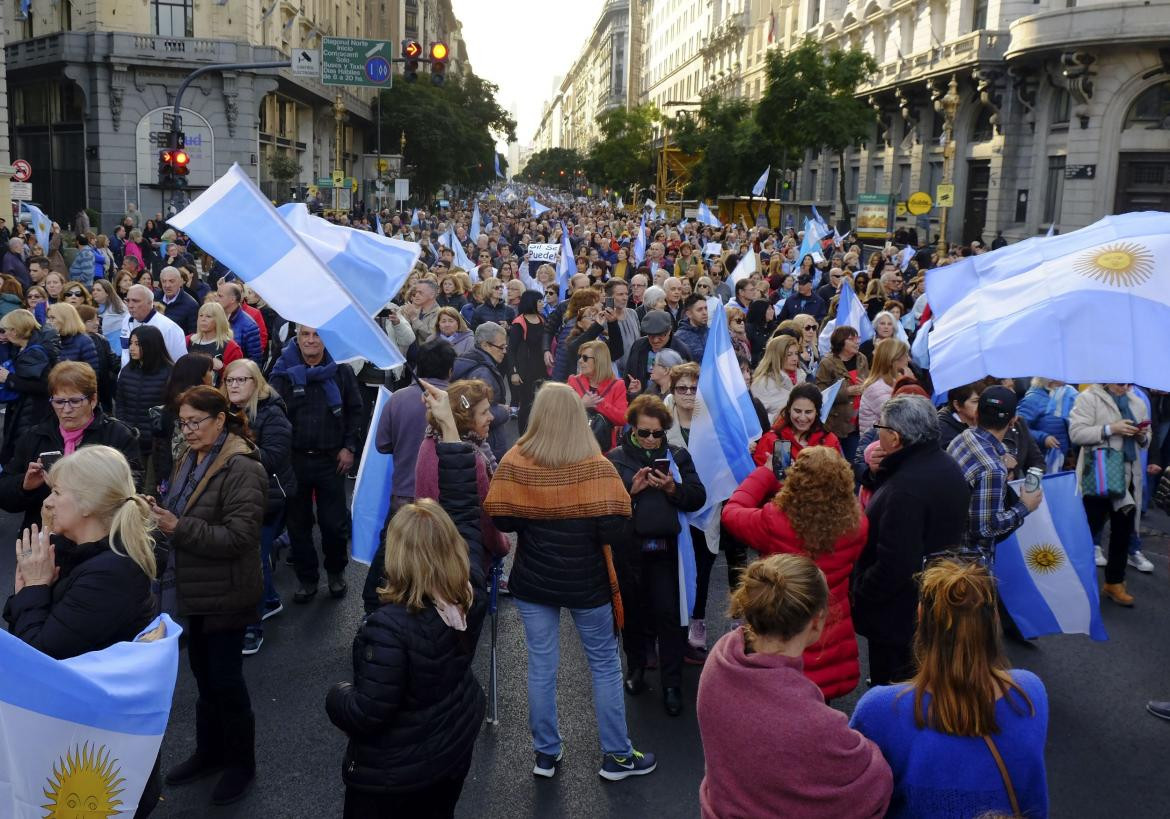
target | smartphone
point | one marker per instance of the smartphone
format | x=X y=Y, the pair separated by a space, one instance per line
x=609 y=303
x=49 y=458
x=662 y=465
x=1144 y=424
x=781 y=458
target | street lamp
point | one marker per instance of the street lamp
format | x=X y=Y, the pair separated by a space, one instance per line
x=948 y=106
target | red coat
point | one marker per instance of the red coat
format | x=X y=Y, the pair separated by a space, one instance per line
x=613 y=402
x=821 y=437
x=752 y=518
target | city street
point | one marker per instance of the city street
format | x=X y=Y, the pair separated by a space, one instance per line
x=1106 y=756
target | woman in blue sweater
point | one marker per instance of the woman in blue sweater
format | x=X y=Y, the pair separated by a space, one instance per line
x=942 y=731
x=1045 y=408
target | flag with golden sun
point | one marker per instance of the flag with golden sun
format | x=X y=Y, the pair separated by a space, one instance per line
x=1089 y=306
x=80 y=736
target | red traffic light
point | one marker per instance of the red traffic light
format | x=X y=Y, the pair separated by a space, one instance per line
x=412 y=48
x=439 y=51
x=181 y=158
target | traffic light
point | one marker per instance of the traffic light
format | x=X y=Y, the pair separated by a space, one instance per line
x=411 y=52
x=166 y=169
x=180 y=162
x=439 y=55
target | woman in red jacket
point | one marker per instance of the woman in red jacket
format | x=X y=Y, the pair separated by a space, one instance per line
x=815 y=514
x=603 y=394
x=799 y=423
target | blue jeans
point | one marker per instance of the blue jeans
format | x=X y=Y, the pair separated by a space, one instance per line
x=542 y=633
x=268 y=533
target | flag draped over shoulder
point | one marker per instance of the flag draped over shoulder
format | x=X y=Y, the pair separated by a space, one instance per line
x=371 y=492
x=234 y=222
x=1045 y=569
x=89 y=725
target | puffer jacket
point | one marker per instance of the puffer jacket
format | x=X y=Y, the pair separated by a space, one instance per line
x=1033 y=409
x=692 y=337
x=217 y=540
x=272 y=432
x=751 y=517
x=500 y=313
x=79 y=347
x=654 y=513
x=414 y=708
x=138 y=391
x=46 y=437
x=29 y=378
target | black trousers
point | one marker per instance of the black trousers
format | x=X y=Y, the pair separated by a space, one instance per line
x=736 y=555
x=1099 y=510
x=218 y=666
x=317 y=476
x=649 y=589
x=890 y=663
x=434 y=801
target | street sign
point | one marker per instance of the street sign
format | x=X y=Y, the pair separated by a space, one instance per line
x=900 y=209
x=22 y=191
x=350 y=61
x=23 y=170
x=352 y=183
x=945 y=196
x=306 y=62
x=338 y=178
x=401 y=189
x=919 y=203
x=325 y=182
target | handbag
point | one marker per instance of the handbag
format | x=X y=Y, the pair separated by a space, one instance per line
x=1162 y=493
x=1104 y=473
x=1007 y=779
x=600 y=426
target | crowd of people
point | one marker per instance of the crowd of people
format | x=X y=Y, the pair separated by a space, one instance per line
x=166 y=435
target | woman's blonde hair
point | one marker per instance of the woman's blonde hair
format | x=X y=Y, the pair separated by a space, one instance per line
x=19 y=324
x=450 y=312
x=426 y=559
x=65 y=318
x=602 y=361
x=959 y=654
x=818 y=498
x=99 y=478
x=779 y=596
x=263 y=389
x=772 y=363
x=558 y=431
x=885 y=353
x=223 y=329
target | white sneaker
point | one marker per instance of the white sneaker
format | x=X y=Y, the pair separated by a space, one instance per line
x=697 y=634
x=1099 y=556
x=1140 y=562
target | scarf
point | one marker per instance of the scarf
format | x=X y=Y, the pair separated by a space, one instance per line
x=190 y=475
x=300 y=374
x=72 y=437
x=1128 y=445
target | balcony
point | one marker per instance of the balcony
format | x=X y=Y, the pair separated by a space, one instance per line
x=1114 y=24
x=973 y=49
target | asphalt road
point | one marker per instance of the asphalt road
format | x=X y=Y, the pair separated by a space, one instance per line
x=1106 y=756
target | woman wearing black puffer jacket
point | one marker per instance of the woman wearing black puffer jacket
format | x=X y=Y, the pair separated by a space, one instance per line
x=414 y=708
x=141 y=385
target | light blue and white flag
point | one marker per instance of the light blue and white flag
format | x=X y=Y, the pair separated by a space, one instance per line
x=41 y=225
x=828 y=397
x=850 y=313
x=536 y=207
x=82 y=735
x=1029 y=314
x=706 y=216
x=904 y=257
x=810 y=243
x=414 y=219
x=234 y=222
x=688 y=574
x=499 y=173
x=566 y=264
x=371 y=266
x=820 y=220
x=619 y=205
x=1045 y=570
x=475 y=230
x=378 y=225
x=371 y=491
x=920 y=349
x=762 y=183
x=1051 y=231
x=449 y=238
x=746 y=266
x=724 y=422
x=640 y=243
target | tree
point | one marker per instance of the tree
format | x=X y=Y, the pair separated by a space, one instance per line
x=810 y=103
x=283 y=169
x=554 y=167
x=624 y=155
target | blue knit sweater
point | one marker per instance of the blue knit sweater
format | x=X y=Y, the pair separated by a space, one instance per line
x=942 y=776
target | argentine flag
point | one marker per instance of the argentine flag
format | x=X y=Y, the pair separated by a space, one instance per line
x=746 y=266
x=706 y=216
x=814 y=232
x=371 y=492
x=234 y=222
x=1082 y=307
x=536 y=207
x=372 y=266
x=1045 y=569
x=762 y=182
x=88 y=727
x=566 y=264
x=818 y=218
x=850 y=313
x=474 y=232
x=640 y=242
x=450 y=239
x=40 y=224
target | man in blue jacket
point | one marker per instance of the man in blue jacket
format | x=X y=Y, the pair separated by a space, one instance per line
x=244 y=329
x=692 y=330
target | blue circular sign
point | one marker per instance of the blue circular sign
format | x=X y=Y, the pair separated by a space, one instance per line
x=377 y=69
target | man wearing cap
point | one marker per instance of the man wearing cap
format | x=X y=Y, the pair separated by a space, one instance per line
x=979 y=451
x=659 y=330
x=804 y=300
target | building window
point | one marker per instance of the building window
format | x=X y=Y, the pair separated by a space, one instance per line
x=1151 y=108
x=814 y=12
x=1054 y=189
x=875 y=182
x=854 y=181
x=979 y=18
x=1061 y=108
x=173 y=18
x=411 y=22
x=982 y=130
x=812 y=184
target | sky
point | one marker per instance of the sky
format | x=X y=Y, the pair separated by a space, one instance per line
x=521 y=45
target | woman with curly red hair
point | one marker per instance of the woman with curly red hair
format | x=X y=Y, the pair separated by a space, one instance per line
x=815 y=513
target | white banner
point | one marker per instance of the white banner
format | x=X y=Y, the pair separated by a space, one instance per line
x=543 y=253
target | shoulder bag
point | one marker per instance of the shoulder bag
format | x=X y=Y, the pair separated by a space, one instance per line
x=1104 y=473
x=1007 y=779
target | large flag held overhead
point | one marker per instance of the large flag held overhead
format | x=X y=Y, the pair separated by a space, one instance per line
x=371 y=492
x=810 y=243
x=746 y=266
x=761 y=183
x=40 y=224
x=499 y=173
x=850 y=313
x=706 y=216
x=1082 y=307
x=536 y=207
x=566 y=264
x=475 y=230
x=234 y=222
x=372 y=267
x=820 y=220
x=449 y=238
x=1045 y=569
x=81 y=735
x=640 y=243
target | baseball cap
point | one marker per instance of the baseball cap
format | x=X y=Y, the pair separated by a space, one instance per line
x=998 y=401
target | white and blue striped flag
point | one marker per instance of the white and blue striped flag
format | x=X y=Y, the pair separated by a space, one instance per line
x=761 y=183
x=475 y=230
x=82 y=734
x=810 y=243
x=904 y=257
x=499 y=173
x=536 y=207
x=819 y=219
x=706 y=216
x=449 y=238
x=234 y=222
x=850 y=313
x=414 y=219
x=566 y=264
x=1045 y=570
x=378 y=224
x=371 y=266
x=746 y=266
x=640 y=242
x=41 y=224
x=371 y=491
x=724 y=422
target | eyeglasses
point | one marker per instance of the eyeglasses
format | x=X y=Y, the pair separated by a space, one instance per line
x=192 y=425
x=62 y=403
x=737 y=321
x=238 y=380
x=650 y=433
x=496 y=346
x=883 y=426
x=74 y=293
x=685 y=390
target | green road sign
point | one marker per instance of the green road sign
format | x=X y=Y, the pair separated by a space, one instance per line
x=350 y=61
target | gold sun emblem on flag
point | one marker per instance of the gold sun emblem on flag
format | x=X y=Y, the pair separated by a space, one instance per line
x=1120 y=264
x=84 y=785
x=1044 y=558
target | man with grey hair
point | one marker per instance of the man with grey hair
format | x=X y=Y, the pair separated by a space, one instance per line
x=483 y=362
x=140 y=310
x=13 y=263
x=919 y=507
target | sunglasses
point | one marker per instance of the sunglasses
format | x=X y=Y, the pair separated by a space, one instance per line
x=74 y=293
x=584 y=358
x=686 y=390
x=651 y=433
x=810 y=327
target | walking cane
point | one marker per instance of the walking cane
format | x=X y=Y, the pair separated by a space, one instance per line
x=493 y=600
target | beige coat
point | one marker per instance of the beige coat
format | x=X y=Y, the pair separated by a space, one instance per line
x=1094 y=408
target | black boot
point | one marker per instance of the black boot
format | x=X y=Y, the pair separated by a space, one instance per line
x=208 y=756
x=636 y=682
x=672 y=701
x=239 y=731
